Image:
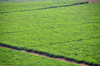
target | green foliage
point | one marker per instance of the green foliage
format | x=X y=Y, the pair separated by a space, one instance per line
x=35 y=51
x=95 y=64
x=88 y=62
x=20 y=48
x=51 y=55
x=68 y=58
x=29 y=50
x=79 y=61
x=72 y=31
x=18 y=7
x=10 y=57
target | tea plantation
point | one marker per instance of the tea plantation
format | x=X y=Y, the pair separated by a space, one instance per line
x=72 y=32
x=10 y=57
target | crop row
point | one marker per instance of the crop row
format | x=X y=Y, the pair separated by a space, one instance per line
x=9 y=57
x=34 y=5
x=71 y=32
x=48 y=54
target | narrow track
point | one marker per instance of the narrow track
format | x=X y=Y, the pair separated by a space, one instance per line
x=62 y=59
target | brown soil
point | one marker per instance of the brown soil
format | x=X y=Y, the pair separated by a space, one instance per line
x=82 y=64
x=91 y=1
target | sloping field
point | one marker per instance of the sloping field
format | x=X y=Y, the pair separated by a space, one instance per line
x=72 y=31
x=30 y=6
x=10 y=57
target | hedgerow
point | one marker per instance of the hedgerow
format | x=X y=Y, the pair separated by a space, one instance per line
x=9 y=57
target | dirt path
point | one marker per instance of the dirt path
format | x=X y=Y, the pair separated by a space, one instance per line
x=91 y=1
x=62 y=59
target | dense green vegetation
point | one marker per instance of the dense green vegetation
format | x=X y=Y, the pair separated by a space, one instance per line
x=72 y=32
x=18 y=7
x=10 y=57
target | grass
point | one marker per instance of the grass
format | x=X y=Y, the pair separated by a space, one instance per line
x=71 y=31
x=10 y=57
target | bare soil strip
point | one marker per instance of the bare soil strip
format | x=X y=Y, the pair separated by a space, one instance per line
x=62 y=59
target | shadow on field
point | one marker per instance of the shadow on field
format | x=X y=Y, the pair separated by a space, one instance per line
x=48 y=55
x=47 y=7
x=74 y=40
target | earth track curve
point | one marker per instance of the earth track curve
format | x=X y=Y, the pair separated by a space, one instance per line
x=37 y=54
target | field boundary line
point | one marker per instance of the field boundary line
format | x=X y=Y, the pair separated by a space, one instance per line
x=48 y=7
x=56 y=58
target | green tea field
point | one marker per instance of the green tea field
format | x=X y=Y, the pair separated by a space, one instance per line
x=60 y=29
x=10 y=57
